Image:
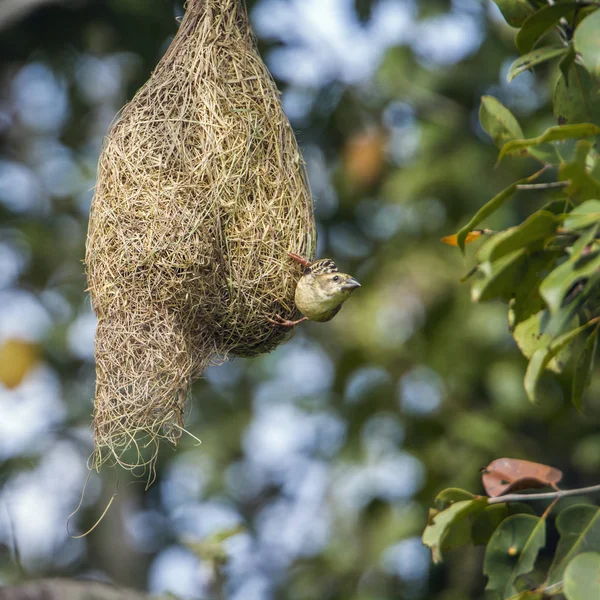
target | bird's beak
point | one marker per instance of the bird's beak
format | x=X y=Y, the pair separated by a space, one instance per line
x=350 y=284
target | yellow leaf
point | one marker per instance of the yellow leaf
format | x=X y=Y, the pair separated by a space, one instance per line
x=17 y=358
x=452 y=240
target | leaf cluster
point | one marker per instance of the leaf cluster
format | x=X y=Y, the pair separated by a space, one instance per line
x=514 y=536
x=547 y=268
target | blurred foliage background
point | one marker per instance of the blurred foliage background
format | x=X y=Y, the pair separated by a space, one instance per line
x=321 y=458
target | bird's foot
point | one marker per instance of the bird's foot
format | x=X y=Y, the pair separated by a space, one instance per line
x=303 y=261
x=279 y=320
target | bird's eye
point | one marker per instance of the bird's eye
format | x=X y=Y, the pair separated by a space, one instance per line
x=336 y=278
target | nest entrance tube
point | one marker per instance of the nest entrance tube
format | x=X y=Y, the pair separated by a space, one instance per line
x=201 y=192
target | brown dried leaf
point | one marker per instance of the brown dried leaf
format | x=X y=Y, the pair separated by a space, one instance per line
x=505 y=475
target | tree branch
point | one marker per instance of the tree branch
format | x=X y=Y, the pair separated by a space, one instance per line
x=544 y=496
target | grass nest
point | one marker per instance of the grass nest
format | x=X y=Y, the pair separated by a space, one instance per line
x=201 y=192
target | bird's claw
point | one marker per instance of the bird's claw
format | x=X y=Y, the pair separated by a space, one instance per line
x=303 y=261
x=280 y=321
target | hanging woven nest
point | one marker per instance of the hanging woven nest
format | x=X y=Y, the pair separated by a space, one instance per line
x=201 y=193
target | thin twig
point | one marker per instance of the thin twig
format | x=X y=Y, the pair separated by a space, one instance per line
x=543 y=186
x=553 y=590
x=540 y=172
x=544 y=496
x=550 y=507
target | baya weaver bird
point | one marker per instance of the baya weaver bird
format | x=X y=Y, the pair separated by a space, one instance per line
x=320 y=292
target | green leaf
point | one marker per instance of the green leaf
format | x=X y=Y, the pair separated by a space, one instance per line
x=500 y=124
x=585 y=244
x=582 y=185
x=536 y=25
x=451 y=528
x=556 y=207
x=553 y=134
x=490 y=207
x=545 y=153
x=487 y=522
x=536 y=227
x=576 y=96
x=566 y=61
x=535 y=369
x=515 y=278
x=583 y=369
x=579 y=528
x=557 y=285
x=512 y=551
x=587 y=43
x=540 y=359
x=533 y=58
x=527 y=300
x=594 y=164
x=582 y=577
x=499 y=278
x=512 y=264
x=514 y=11
x=582 y=297
x=451 y=495
x=530 y=337
x=583 y=216
x=528 y=595
x=484 y=212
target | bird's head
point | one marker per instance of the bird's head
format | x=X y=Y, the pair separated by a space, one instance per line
x=322 y=289
x=328 y=283
x=335 y=285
